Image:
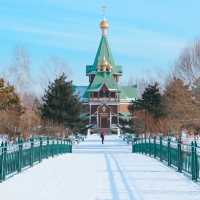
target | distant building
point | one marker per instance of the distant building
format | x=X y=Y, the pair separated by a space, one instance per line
x=106 y=99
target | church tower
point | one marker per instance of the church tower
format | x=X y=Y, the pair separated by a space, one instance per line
x=104 y=96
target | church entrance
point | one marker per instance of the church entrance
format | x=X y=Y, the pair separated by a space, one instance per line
x=104 y=113
x=104 y=122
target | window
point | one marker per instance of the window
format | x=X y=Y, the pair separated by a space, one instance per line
x=104 y=92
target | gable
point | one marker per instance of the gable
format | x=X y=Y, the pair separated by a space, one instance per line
x=104 y=88
x=103 y=109
x=103 y=78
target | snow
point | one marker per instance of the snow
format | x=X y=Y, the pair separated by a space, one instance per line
x=100 y=172
x=3 y=138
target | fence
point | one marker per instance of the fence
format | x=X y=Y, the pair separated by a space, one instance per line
x=184 y=157
x=15 y=157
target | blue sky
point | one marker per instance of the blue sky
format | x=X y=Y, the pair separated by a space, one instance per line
x=146 y=36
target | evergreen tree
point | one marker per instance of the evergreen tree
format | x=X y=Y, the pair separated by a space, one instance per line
x=151 y=101
x=60 y=105
x=149 y=111
x=9 y=100
x=10 y=109
x=126 y=124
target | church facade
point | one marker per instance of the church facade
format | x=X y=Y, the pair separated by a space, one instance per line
x=105 y=98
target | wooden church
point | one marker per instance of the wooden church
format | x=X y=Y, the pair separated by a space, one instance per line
x=106 y=99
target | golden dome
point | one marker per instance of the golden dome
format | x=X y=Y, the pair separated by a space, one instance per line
x=109 y=67
x=104 y=64
x=104 y=24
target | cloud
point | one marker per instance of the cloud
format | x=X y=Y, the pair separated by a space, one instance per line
x=49 y=36
x=137 y=43
x=145 y=43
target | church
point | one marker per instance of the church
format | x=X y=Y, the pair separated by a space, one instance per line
x=105 y=98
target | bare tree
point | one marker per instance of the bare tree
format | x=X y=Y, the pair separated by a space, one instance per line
x=181 y=106
x=19 y=71
x=54 y=67
x=187 y=67
x=142 y=84
x=29 y=123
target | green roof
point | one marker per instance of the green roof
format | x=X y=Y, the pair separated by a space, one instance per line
x=86 y=94
x=103 y=51
x=91 y=69
x=128 y=92
x=103 y=78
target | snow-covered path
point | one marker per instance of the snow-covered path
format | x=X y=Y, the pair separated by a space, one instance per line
x=100 y=172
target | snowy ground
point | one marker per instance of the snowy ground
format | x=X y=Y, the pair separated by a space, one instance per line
x=100 y=172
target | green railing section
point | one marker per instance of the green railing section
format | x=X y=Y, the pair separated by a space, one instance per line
x=15 y=157
x=184 y=157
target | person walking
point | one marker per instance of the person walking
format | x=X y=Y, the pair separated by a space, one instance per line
x=102 y=137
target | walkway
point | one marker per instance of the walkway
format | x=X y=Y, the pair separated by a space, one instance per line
x=100 y=172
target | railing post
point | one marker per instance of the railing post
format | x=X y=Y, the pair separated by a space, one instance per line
x=149 y=146
x=154 y=146
x=196 y=162
x=142 y=145
x=161 y=158
x=5 y=160
x=195 y=167
x=1 y=162
x=61 y=146
x=169 y=151
x=179 y=157
x=52 y=148
x=192 y=160
x=20 y=146
x=47 y=148
x=32 y=153
x=70 y=142
x=40 y=153
x=57 y=147
x=67 y=146
x=70 y=146
x=64 y=145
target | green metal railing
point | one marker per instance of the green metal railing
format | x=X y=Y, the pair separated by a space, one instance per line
x=184 y=157
x=15 y=157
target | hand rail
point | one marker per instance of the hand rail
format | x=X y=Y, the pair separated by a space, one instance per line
x=15 y=157
x=184 y=157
